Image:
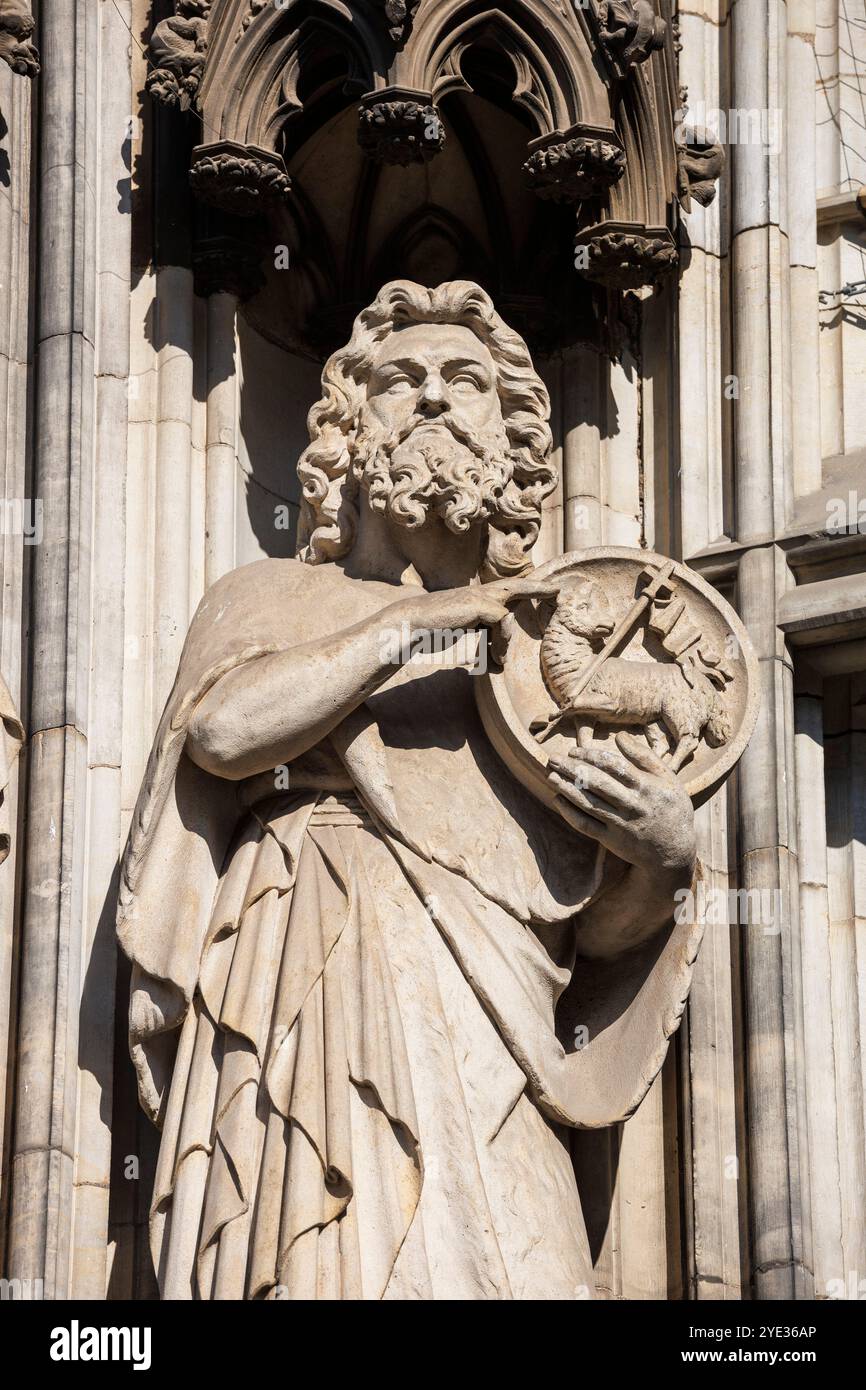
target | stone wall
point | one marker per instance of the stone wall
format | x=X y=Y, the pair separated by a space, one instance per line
x=159 y=427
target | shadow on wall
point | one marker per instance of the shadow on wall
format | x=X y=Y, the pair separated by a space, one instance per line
x=5 y=164
x=277 y=389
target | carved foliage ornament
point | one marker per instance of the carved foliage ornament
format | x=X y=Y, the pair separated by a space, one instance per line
x=582 y=163
x=400 y=127
x=630 y=30
x=625 y=256
x=177 y=53
x=240 y=179
x=16 y=37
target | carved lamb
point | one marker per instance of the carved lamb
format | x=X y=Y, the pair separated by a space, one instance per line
x=649 y=695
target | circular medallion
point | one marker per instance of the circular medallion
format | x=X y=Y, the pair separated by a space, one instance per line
x=631 y=641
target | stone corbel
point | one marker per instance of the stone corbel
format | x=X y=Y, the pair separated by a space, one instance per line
x=626 y=255
x=16 y=37
x=399 y=126
x=568 y=167
x=177 y=53
x=629 y=31
x=240 y=179
x=700 y=161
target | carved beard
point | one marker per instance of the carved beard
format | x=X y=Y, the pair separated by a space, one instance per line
x=433 y=469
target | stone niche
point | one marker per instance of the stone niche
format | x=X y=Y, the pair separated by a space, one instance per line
x=308 y=153
x=298 y=157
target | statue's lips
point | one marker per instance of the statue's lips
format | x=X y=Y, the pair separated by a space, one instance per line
x=433 y=428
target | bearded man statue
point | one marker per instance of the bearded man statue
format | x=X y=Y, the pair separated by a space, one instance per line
x=375 y=980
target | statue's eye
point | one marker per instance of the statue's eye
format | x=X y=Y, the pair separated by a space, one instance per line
x=399 y=386
x=465 y=383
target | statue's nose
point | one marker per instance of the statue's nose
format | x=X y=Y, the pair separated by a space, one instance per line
x=433 y=396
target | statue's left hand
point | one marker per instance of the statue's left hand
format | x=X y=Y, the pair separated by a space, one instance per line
x=630 y=802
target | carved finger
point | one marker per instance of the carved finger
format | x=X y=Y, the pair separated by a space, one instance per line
x=619 y=799
x=608 y=761
x=592 y=802
x=586 y=825
x=511 y=590
x=491 y=613
x=569 y=793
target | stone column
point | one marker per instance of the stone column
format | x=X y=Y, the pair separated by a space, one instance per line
x=601 y=459
x=844 y=762
x=803 y=249
x=775 y=1104
x=51 y=946
x=759 y=269
x=760 y=305
x=105 y=701
x=16 y=491
x=817 y=984
x=716 y=1175
x=706 y=394
x=222 y=427
x=73 y=832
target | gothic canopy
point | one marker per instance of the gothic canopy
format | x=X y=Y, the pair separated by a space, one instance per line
x=530 y=144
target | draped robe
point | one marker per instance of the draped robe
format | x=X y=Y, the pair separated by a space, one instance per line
x=356 y=998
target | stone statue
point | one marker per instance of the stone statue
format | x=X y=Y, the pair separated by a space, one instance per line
x=17 y=48
x=376 y=978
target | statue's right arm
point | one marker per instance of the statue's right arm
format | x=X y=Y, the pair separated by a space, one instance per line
x=272 y=710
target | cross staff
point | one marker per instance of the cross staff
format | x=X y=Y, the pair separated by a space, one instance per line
x=658 y=585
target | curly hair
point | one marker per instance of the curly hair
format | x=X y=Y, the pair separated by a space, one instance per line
x=329 y=506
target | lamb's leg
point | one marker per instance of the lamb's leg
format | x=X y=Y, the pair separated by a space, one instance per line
x=683 y=751
x=584 y=733
x=658 y=740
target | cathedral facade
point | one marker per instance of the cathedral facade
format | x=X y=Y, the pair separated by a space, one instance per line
x=666 y=202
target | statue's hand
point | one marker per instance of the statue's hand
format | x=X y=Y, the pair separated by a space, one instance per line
x=474 y=606
x=630 y=802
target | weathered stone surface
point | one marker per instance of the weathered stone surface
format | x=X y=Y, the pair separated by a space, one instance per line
x=178 y=48
x=710 y=407
x=626 y=256
x=16 y=42
x=632 y=641
x=579 y=164
x=397 y=127
x=440 y=489
x=240 y=179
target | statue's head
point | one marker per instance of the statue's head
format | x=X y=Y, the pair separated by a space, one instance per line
x=433 y=409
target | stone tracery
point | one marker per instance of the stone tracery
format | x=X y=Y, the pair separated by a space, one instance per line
x=595 y=89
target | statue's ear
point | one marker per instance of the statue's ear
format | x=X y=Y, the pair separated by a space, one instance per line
x=545 y=607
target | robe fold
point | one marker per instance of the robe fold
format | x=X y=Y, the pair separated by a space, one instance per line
x=355 y=1001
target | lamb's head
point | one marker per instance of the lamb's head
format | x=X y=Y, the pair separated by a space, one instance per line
x=583 y=609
